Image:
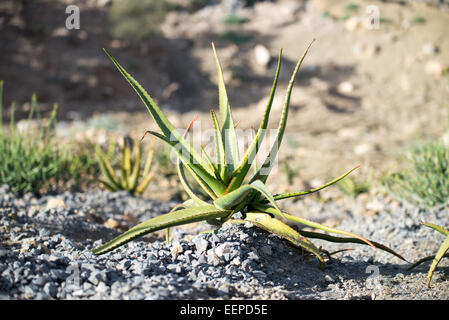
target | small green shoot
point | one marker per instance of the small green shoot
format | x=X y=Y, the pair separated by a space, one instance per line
x=234 y=19
x=418 y=20
x=351 y=7
x=290 y=172
x=351 y=188
x=134 y=176
x=441 y=253
x=236 y=37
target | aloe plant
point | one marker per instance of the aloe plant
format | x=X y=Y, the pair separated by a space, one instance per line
x=131 y=177
x=228 y=181
x=438 y=256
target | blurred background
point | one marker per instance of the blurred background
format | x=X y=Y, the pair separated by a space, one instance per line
x=372 y=84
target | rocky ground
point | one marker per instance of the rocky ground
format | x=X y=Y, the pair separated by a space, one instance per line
x=363 y=96
x=46 y=243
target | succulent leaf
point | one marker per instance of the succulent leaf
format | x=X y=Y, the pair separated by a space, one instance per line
x=126 y=164
x=311 y=224
x=189 y=155
x=330 y=238
x=185 y=184
x=303 y=193
x=208 y=182
x=134 y=175
x=250 y=154
x=108 y=171
x=441 y=230
x=440 y=254
x=144 y=183
x=272 y=225
x=220 y=151
x=149 y=160
x=233 y=198
x=227 y=124
x=264 y=171
x=174 y=218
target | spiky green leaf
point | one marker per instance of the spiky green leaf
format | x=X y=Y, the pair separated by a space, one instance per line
x=264 y=171
x=272 y=225
x=185 y=150
x=174 y=218
x=303 y=193
x=208 y=182
x=185 y=184
x=220 y=151
x=330 y=238
x=107 y=169
x=236 y=197
x=134 y=175
x=312 y=224
x=227 y=124
x=251 y=152
x=440 y=253
x=441 y=230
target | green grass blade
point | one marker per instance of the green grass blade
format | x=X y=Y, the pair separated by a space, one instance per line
x=425 y=259
x=330 y=238
x=33 y=106
x=174 y=218
x=302 y=193
x=1 y=106
x=251 y=152
x=441 y=230
x=227 y=128
x=264 y=171
x=272 y=225
x=441 y=252
x=12 y=126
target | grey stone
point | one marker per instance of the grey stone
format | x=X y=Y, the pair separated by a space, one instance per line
x=212 y=258
x=266 y=250
x=51 y=289
x=201 y=244
x=125 y=264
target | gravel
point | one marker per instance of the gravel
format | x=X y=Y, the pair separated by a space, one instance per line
x=45 y=254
